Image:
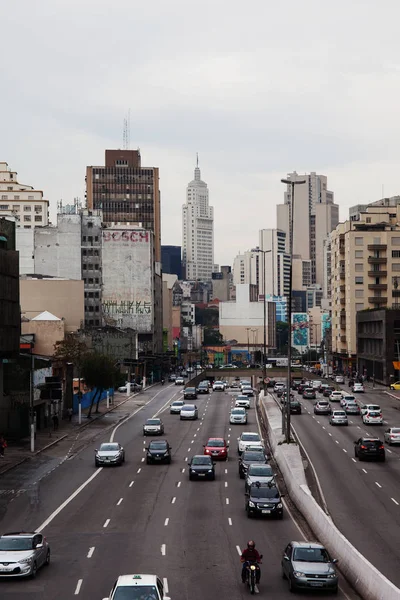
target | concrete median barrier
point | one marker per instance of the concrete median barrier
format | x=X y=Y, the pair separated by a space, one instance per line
x=362 y=574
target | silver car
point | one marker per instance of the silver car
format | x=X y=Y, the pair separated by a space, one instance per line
x=22 y=554
x=247 y=390
x=238 y=416
x=189 y=411
x=308 y=566
x=338 y=417
x=242 y=401
x=110 y=453
x=153 y=427
x=392 y=435
x=260 y=473
x=175 y=407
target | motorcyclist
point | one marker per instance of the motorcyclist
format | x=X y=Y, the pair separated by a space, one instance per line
x=162 y=380
x=250 y=554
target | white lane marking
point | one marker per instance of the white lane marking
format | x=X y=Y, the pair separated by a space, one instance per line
x=390 y=451
x=188 y=449
x=378 y=484
x=166 y=521
x=163 y=549
x=329 y=434
x=227 y=500
x=135 y=413
x=119 y=501
x=90 y=553
x=323 y=427
x=230 y=429
x=364 y=470
x=165 y=582
x=229 y=521
x=143 y=459
x=198 y=429
x=183 y=470
x=144 y=441
x=78 y=586
x=336 y=441
x=131 y=483
x=195 y=435
x=106 y=523
x=67 y=501
x=239 y=550
x=226 y=471
x=318 y=422
x=395 y=501
x=344 y=450
x=173 y=500
x=139 y=469
x=351 y=422
x=354 y=460
x=186 y=459
x=358 y=427
x=226 y=484
x=179 y=484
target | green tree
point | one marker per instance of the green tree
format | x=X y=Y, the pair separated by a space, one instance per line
x=212 y=337
x=70 y=349
x=100 y=372
x=208 y=317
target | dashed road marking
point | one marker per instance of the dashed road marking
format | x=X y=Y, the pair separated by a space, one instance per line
x=173 y=500
x=336 y=441
x=239 y=550
x=183 y=470
x=131 y=483
x=90 y=553
x=186 y=458
x=229 y=521
x=106 y=523
x=364 y=470
x=178 y=484
x=139 y=470
x=163 y=549
x=226 y=471
x=166 y=521
x=395 y=501
x=226 y=484
x=329 y=434
x=354 y=460
x=390 y=451
x=119 y=501
x=378 y=484
x=344 y=450
x=165 y=582
x=143 y=459
x=78 y=586
x=189 y=449
x=227 y=500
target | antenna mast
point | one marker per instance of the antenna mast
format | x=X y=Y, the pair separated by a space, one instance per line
x=127 y=131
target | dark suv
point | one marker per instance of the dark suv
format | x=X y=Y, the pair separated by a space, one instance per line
x=295 y=407
x=264 y=500
x=370 y=448
x=158 y=451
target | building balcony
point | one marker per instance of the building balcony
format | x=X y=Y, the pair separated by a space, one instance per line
x=341 y=248
x=343 y=301
x=377 y=286
x=379 y=247
x=343 y=324
x=342 y=274
x=377 y=299
x=343 y=339
x=377 y=273
x=343 y=287
x=374 y=260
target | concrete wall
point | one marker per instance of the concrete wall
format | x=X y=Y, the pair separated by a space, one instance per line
x=47 y=333
x=58 y=249
x=26 y=248
x=63 y=298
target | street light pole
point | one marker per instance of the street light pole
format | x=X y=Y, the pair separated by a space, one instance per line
x=292 y=183
x=248 y=343
x=264 y=370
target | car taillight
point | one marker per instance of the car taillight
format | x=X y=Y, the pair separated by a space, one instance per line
x=381 y=447
x=363 y=447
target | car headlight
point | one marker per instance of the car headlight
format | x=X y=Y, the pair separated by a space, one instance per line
x=210 y=470
x=251 y=504
x=279 y=505
x=331 y=576
x=26 y=561
x=165 y=453
x=207 y=451
x=193 y=470
x=298 y=574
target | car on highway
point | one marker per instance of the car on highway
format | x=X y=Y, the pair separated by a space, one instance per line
x=190 y=393
x=280 y=391
x=203 y=388
x=22 y=554
x=109 y=453
x=338 y=417
x=257 y=472
x=392 y=435
x=369 y=407
x=346 y=398
x=179 y=381
x=295 y=407
x=339 y=379
x=238 y=416
x=175 y=407
x=153 y=427
x=242 y=401
x=190 y=369
x=248 y=438
x=357 y=387
x=322 y=407
x=263 y=500
x=309 y=393
x=369 y=447
x=201 y=467
x=217 y=448
x=138 y=586
x=135 y=387
x=189 y=412
x=158 y=451
x=307 y=565
x=234 y=384
x=278 y=385
x=316 y=384
x=248 y=457
x=327 y=391
x=218 y=386
x=172 y=377
x=323 y=387
x=335 y=396
x=248 y=391
x=372 y=417
x=352 y=408
x=395 y=385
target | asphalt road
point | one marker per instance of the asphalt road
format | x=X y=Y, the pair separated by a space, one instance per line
x=151 y=518
x=363 y=498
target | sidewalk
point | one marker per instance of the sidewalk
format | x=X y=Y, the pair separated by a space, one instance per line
x=19 y=452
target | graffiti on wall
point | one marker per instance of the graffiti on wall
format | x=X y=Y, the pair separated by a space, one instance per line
x=126 y=307
x=299 y=330
x=126 y=236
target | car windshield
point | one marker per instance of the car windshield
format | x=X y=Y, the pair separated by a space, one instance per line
x=158 y=445
x=250 y=437
x=339 y=413
x=188 y=407
x=311 y=555
x=201 y=460
x=238 y=411
x=177 y=403
x=264 y=492
x=216 y=443
x=11 y=544
x=242 y=398
x=395 y=430
x=136 y=592
x=109 y=447
x=308 y=390
x=153 y=422
x=323 y=403
x=260 y=471
x=190 y=390
x=253 y=456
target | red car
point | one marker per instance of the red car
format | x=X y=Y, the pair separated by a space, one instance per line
x=217 y=448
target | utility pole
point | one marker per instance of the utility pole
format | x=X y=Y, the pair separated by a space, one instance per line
x=248 y=343
x=31 y=400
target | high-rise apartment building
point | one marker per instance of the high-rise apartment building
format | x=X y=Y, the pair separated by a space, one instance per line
x=277 y=263
x=246 y=268
x=198 y=231
x=315 y=216
x=22 y=201
x=365 y=266
x=126 y=192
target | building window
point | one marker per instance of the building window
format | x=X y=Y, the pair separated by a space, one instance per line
x=16 y=198
x=84 y=267
x=90 y=239
x=31 y=197
x=368 y=220
x=96 y=238
x=38 y=207
x=16 y=207
x=395 y=241
x=359 y=280
x=359 y=306
x=84 y=252
x=27 y=217
x=90 y=224
x=4 y=197
x=359 y=241
x=38 y=218
x=84 y=238
x=96 y=266
x=359 y=293
x=96 y=309
x=396 y=267
x=90 y=266
x=97 y=322
x=359 y=267
x=395 y=253
x=359 y=254
x=4 y=206
x=27 y=208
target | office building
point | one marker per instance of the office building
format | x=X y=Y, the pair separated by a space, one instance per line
x=315 y=216
x=277 y=263
x=246 y=268
x=198 y=231
x=222 y=284
x=171 y=260
x=22 y=201
x=9 y=294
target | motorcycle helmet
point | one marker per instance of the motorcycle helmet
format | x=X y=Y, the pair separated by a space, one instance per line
x=251 y=545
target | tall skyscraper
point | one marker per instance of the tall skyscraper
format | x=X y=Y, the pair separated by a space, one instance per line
x=126 y=192
x=315 y=216
x=198 y=231
x=277 y=263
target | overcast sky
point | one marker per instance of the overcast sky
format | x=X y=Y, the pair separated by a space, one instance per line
x=258 y=88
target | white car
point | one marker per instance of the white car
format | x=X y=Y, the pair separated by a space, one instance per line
x=189 y=411
x=339 y=379
x=316 y=384
x=335 y=396
x=373 y=417
x=175 y=407
x=278 y=386
x=138 y=586
x=370 y=407
x=238 y=416
x=247 y=391
x=242 y=401
x=249 y=438
x=179 y=381
x=346 y=398
x=244 y=383
x=357 y=387
x=392 y=435
x=218 y=386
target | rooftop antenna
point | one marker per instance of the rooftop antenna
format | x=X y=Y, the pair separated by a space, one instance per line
x=197 y=159
x=127 y=131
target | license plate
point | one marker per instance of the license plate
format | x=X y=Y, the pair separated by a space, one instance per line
x=158 y=457
x=316 y=583
x=201 y=474
x=266 y=512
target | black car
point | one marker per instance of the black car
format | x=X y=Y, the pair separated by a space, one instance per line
x=201 y=467
x=328 y=391
x=295 y=407
x=190 y=392
x=248 y=457
x=369 y=448
x=158 y=451
x=264 y=499
x=203 y=388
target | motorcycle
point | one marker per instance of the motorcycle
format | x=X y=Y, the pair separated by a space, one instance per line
x=251 y=575
x=162 y=381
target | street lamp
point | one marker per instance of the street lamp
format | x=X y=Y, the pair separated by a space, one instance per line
x=292 y=183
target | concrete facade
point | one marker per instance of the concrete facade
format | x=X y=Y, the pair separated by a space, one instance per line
x=222 y=284
x=47 y=333
x=22 y=201
x=61 y=297
x=92 y=273
x=58 y=248
x=168 y=302
x=9 y=294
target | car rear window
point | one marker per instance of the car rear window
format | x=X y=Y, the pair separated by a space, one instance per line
x=250 y=437
x=264 y=492
x=253 y=456
x=153 y=422
x=374 y=407
x=260 y=471
x=158 y=445
x=395 y=430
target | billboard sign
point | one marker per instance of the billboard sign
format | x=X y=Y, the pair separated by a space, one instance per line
x=300 y=331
